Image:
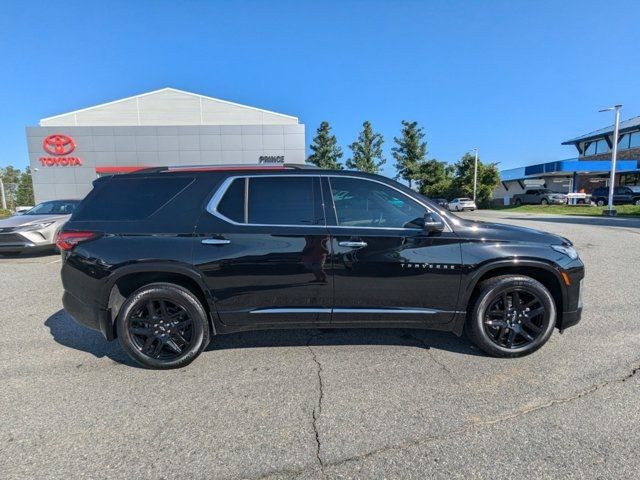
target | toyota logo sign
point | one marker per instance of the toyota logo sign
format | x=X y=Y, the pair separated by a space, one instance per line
x=61 y=146
x=58 y=144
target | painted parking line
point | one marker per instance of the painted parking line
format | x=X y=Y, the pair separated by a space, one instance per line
x=55 y=261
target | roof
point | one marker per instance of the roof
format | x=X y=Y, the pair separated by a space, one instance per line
x=566 y=167
x=168 y=106
x=625 y=126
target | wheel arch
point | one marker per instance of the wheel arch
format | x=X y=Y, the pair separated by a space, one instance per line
x=543 y=272
x=131 y=278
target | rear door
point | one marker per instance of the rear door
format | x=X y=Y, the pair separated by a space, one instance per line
x=262 y=246
x=386 y=268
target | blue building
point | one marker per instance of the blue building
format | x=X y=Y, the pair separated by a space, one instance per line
x=586 y=172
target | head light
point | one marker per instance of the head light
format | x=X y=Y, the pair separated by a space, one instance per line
x=34 y=226
x=569 y=251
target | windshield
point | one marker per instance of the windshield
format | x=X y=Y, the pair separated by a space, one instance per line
x=55 y=207
x=464 y=200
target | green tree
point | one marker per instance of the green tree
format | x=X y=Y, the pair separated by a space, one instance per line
x=434 y=179
x=367 y=151
x=410 y=151
x=326 y=152
x=24 y=195
x=488 y=180
x=10 y=179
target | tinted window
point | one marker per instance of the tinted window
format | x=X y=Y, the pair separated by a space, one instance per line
x=232 y=204
x=130 y=198
x=361 y=203
x=283 y=200
x=591 y=149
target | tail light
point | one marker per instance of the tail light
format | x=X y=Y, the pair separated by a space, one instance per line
x=69 y=240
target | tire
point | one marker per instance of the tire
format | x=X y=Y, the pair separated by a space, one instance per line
x=483 y=327
x=636 y=201
x=518 y=202
x=544 y=201
x=152 y=342
x=601 y=202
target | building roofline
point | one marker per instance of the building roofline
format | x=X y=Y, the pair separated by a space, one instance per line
x=627 y=125
x=163 y=90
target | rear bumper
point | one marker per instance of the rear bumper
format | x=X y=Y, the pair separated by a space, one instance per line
x=89 y=316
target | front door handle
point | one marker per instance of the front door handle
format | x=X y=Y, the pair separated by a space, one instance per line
x=215 y=241
x=355 y=244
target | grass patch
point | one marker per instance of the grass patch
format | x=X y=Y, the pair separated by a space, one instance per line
x=585 y=210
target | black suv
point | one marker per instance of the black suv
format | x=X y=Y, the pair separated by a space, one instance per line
x=621 y=195
x=165 y=258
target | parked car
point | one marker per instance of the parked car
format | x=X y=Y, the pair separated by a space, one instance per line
x=442 y=202
x=461 y=204
x=22 y=209
x=166 y=258
x=621 y=195
x=35 y=229
x=539 y=196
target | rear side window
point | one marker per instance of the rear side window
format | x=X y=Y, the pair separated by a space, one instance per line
x=130 y=198
x=273 y=201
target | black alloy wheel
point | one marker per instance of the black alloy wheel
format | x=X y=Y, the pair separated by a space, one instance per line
x=511 y=316
x=161 y=329
x=515 y=318
x=163 y=325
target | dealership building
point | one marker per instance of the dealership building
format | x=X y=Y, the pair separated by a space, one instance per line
x=67 y=152
x=586 y=172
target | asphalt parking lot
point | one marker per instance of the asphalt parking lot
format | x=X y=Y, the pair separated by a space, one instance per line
x=337 y=403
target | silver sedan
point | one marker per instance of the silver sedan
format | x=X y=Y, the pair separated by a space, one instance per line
x=36 y=229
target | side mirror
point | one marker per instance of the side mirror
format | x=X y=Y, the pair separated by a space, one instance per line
x=432 y=223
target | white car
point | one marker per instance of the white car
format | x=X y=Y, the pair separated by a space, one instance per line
x=460 y=204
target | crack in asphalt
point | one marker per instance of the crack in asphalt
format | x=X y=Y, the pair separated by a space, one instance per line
x=432 y=356
x=459 y=431
x=317 y=410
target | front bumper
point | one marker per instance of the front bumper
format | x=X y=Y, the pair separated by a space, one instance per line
x=569 y=319
x=20 y=241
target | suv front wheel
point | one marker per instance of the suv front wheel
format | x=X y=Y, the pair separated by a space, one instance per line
x=162 y=326
x=512 y=316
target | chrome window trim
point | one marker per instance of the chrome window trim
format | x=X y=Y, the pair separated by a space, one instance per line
x=212 y=206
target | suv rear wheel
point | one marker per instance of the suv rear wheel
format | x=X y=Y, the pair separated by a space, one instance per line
x=601 y=202
x=512 y=316
x=162 y=326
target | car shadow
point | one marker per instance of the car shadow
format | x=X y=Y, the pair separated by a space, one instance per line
x=67 y=332
x=29 y=254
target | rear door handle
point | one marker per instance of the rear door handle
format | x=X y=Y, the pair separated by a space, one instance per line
x=352 y=244
x=215 y=241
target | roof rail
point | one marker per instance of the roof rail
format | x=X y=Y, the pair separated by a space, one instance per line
x=223 y=167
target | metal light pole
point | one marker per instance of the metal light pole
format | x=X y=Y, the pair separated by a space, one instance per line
x=610 y=211
x=4 y=199
x=475 y=175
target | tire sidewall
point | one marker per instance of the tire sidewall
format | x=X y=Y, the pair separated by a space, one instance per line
x=178 y=295
x=488 y=294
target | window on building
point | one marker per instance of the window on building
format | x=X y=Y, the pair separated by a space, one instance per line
x=590 y=149
x=602 y=146
x=361 y=203
x=634 y=140
x=623 y=144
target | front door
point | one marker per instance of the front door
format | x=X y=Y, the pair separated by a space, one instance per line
x=262 y=247
x=386 y=267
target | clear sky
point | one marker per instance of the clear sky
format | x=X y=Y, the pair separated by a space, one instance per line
x=514 y=78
